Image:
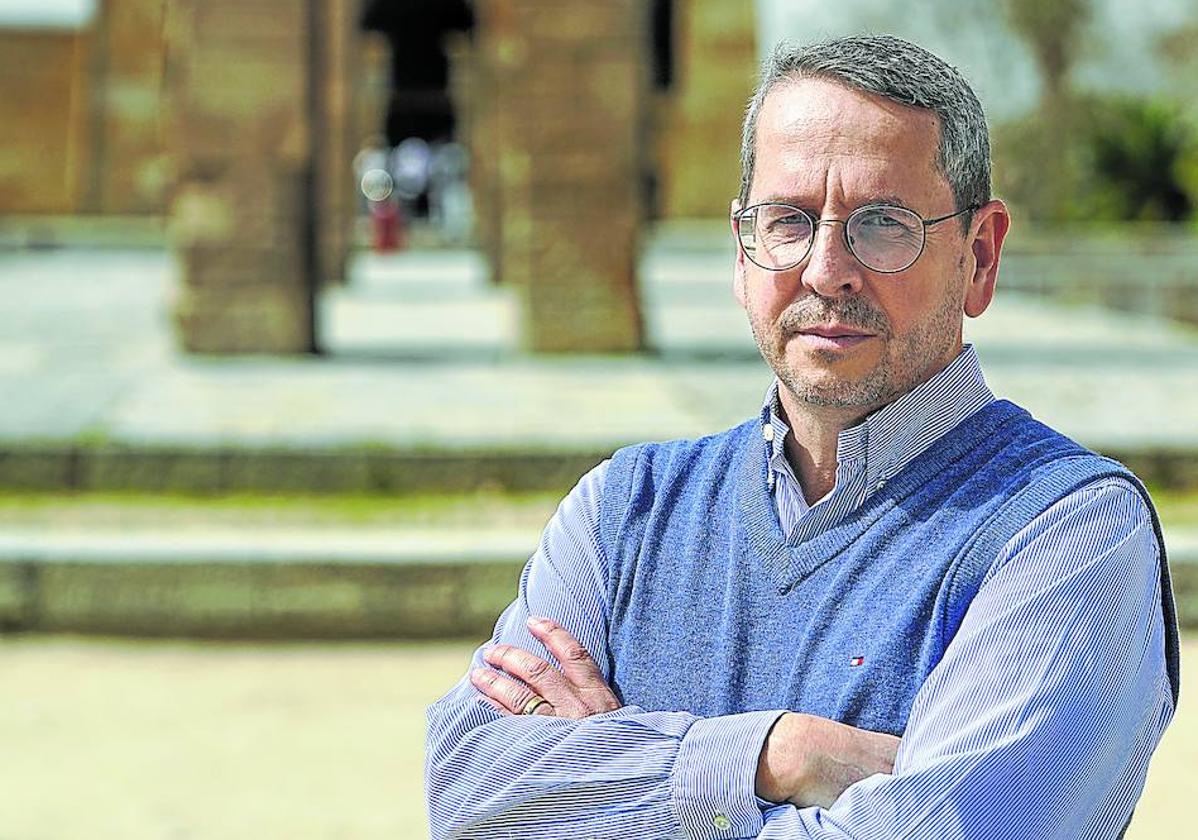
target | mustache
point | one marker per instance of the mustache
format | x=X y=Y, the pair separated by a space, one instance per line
x=814 y=311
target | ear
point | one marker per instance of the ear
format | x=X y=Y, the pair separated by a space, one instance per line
x=988 y=231
x=738 y=268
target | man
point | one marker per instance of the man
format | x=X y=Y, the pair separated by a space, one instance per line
x=887 y=551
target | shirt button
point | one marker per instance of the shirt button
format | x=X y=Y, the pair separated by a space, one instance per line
x=721 y=822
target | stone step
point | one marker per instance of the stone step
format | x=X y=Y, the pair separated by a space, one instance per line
x=222 y=469
x=327 y=584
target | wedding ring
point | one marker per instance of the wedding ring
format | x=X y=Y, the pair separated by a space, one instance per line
x=532 y=705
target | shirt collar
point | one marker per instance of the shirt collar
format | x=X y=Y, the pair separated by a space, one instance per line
x=889 y=438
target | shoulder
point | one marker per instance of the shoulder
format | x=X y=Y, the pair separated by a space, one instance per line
x=1093 y=517
x=652 y=477
x=609 y=485
x=662 y=458
x=1053 y=503
x=1038 y=466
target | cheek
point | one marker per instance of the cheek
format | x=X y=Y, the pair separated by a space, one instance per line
x=913 y=303
x=926 y=324
x=768 y=296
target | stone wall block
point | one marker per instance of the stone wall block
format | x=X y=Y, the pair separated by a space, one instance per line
x=132 y=174
x=252 y=206
x=550 y=22
x=43 y=98
x=586 y=300
x=697 y=122
x=221 y=270
x=263 y=22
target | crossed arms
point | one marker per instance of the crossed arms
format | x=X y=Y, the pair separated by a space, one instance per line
x=806 y=760
x=1039 y=721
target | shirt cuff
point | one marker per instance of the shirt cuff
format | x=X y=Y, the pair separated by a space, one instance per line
x=715 y=775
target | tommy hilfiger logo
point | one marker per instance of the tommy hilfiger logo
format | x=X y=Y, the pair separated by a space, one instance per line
x=854 y=661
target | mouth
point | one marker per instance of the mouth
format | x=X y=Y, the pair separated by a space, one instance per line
x=833 y=337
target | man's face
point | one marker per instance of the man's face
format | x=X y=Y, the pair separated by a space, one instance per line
x=836 y=333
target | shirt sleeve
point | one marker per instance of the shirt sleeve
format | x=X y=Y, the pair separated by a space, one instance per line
x=1042 y=716
x=626 y=773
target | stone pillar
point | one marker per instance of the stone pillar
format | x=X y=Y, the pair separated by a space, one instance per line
x=337 y=64
x=698 y=119
x=243 y=219
x=128 y=172
x=471 y=89
x=565 y=84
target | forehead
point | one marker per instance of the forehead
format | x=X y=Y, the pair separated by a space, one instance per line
x=823 y=142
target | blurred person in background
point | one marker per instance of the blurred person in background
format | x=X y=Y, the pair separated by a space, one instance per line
x=428 y=167
x=888 y=605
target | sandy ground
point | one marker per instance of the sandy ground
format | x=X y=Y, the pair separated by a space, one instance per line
x=140 y=740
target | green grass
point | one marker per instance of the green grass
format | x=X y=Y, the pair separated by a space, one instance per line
x=85 y=510
x=1178 y=508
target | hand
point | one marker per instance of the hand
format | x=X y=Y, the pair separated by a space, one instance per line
x=576 y=691
x=809 y=760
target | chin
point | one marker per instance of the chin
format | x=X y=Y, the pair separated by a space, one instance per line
x=858 y=392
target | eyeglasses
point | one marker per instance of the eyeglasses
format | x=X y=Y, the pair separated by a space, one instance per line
x=884 y=238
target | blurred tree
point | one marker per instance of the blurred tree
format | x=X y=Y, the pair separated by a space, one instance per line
x=1124 y=159
x=1036 y=158
x=1135 y=156
x=1179 y=50
x=1098 y=157
x=1053 y=31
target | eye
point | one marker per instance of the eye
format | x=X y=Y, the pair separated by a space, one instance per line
x=889 y=224
x=781 y=220
x=792 y=219
x=881 y=219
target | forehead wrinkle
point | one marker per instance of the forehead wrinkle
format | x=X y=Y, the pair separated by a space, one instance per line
x=805 y=182
x=820 y=142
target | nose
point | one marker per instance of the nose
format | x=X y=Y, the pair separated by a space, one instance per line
x=831 y=270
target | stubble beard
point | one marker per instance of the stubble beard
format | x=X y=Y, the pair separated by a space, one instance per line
x=905 y=363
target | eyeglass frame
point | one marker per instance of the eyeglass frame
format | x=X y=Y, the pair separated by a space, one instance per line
x=816 y=222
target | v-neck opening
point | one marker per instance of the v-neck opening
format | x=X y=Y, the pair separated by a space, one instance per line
x=788 y=565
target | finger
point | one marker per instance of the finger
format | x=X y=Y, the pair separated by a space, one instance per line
x=540 y=676
x=495 y=704
x=507 y=695
x=577 y=664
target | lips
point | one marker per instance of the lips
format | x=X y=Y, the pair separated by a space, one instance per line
x=834 y=331
x=832 y=337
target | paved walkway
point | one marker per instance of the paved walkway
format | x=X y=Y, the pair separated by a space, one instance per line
x=423 y=355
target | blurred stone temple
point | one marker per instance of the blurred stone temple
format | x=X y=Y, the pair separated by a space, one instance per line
x=548 y=133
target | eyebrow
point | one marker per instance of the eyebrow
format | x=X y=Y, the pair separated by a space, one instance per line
x=791 y=200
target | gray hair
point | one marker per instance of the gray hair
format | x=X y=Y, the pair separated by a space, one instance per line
x=896 y=69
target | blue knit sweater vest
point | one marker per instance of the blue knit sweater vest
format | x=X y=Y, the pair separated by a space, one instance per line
x=714 y=613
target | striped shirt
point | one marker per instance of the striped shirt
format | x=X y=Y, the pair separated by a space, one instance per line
x=672 y=775
x=870 y=453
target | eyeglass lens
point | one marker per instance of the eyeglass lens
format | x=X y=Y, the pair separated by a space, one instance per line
x=885 y=239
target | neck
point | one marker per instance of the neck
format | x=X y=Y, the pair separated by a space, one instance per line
x=812 y=442
x=815 y=430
